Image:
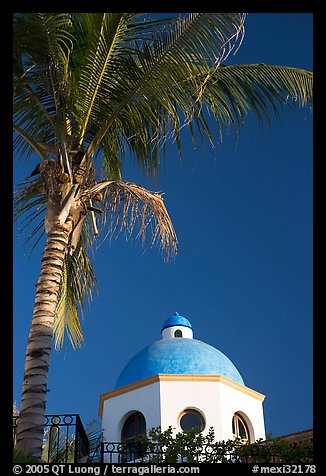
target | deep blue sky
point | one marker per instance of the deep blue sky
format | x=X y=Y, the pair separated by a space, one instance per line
x=243 y=276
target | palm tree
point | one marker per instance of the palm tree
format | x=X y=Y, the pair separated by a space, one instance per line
x=88 y=89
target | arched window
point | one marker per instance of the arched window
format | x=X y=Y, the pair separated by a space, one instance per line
x=178 y=333
x=240 y=428
x=191 y=419
x=134 y=426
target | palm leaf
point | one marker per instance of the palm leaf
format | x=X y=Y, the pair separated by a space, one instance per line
x=66 y=317
x=117 y=72
x=232 y=91
x=130 y=206
x=77 y=285
x=94 y=433
x=29 y=205
x=58 y=446
x=34 y=144
x=19 y=457
x=191 y=42
x=41 y=58
x=103 y=32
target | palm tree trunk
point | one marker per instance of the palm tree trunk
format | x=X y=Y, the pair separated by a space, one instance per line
x=32 y=412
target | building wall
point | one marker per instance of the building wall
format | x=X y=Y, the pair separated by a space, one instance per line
x=176 y=396
x=216 y=401
x=251 y=408
x=164 y=397
x=117 y=409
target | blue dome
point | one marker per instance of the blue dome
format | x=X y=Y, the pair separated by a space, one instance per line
x=176 y=320
x=178 y=356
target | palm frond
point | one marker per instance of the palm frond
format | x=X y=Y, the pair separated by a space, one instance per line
x=66 y=317
x=29 y=207
x=233 y=91
x=42 y=46
x=112 y=72
x=103 y=33
x=32 y=143
x=130 y=206
x=77 y=285
x=58 y=446
x=154 y=69
x=94 y=433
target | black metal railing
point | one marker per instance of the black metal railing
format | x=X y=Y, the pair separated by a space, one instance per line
x=65 y=439
x=117 y=452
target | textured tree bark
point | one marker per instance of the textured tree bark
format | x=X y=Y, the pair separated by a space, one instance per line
x=32 y=412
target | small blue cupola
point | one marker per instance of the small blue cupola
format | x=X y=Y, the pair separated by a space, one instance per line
x=177 y=326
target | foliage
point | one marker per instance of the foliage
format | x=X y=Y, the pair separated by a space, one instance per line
x=277 y=450
x=58 y=447
x=192 y=446
x=20 y=457
x=187 y=446
x=94 y=433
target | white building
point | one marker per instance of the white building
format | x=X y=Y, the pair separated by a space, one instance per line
x=181 y=382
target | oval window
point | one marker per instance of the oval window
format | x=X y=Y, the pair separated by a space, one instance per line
x=191 y=420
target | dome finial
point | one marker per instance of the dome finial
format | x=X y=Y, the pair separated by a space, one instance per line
x=176 y=313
